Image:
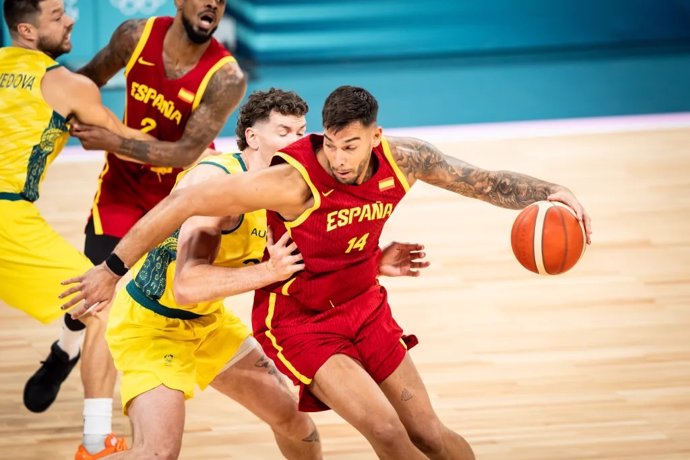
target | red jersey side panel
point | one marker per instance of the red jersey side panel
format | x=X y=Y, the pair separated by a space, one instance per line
x=158 y=106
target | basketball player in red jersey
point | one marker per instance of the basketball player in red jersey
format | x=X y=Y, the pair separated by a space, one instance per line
x=329 y=327
x=182 y=85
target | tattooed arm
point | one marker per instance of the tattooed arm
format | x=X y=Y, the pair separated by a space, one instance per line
x=116 y=53
x=223 y=94
x=421 y=160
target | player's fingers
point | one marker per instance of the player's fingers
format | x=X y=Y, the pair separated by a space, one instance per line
x=269 y=236
x=70 y=291
x=73 y=301
x=588 y=228
x=95 y=308
x=76 y=279
x=292 y=247
x=294 y=268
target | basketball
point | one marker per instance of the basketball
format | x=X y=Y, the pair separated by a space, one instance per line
x=547 y=238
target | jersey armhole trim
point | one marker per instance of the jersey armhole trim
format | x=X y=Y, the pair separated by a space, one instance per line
x=140 y=44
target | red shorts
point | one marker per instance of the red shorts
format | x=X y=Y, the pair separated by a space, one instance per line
x=300 y=343
x=127 y=191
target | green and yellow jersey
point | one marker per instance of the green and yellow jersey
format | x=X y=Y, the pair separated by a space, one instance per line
x=153 y=274
x=31 y=132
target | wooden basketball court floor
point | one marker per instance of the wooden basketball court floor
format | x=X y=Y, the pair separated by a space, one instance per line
x=591 y=364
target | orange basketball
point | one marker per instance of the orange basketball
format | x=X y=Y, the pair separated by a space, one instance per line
x=547 y=238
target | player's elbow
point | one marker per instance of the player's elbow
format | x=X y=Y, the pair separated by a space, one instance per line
x=183 y=292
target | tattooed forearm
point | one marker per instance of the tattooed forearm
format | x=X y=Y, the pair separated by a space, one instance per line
x=156 y=153
x=421 y=160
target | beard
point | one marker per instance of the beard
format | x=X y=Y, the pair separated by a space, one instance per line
x=53 y=48
x=196 y=36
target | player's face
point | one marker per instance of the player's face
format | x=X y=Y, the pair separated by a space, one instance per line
x=201 y=18
x=278 y=131
x=54 y=28
x=348 y=151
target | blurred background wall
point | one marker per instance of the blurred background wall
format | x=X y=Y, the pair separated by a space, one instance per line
x=438 y=62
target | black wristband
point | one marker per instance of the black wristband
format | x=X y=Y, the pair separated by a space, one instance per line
x=116 y=265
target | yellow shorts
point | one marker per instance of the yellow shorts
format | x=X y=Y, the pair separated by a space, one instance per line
x=152 y=350
x=34 y=258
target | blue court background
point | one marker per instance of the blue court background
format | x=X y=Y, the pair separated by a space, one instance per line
x=437 y=62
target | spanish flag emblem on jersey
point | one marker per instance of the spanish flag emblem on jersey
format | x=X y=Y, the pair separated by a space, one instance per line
x=186 y=95
x=386 y=184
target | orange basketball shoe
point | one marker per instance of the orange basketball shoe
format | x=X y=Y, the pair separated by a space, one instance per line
x=112 y=444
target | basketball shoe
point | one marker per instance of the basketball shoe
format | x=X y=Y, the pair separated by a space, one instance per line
x=42 y=388
x=112 y=444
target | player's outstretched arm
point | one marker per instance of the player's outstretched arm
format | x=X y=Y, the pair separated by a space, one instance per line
x=198 y=280
x=421 y=160
x=223 y=94
x=115 y=55
x=74 y=95
x=280 y=188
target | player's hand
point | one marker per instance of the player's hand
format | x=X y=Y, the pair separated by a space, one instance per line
x=94 y=137
x=285 y=260
x=402 y=259
x=565 y=196
x=92 y=291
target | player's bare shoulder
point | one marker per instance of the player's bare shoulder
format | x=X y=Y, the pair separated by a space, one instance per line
x=415 y=157
x=116 y=54
x=226 y=85
x=125 y=38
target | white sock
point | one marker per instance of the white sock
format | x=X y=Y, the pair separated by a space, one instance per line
x=98 y=416
x=70 y=341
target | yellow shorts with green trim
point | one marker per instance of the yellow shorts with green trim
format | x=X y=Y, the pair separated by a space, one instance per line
x=152 y=350
x=34 y=259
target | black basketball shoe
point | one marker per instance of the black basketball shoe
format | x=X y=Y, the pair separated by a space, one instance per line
x=42 y=388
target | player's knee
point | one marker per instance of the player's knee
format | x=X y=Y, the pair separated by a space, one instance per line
x=292 y=423
x=428 y=437
x=387 y=432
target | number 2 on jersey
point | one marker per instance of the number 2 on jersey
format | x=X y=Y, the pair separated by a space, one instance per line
x=147 y=124
x=357 y=243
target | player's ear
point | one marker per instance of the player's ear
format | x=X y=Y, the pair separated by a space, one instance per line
x=178 y=4
x=251 y=138
x=376 y=136
x=27 y=31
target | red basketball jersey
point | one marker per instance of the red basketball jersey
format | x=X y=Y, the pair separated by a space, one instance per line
x=339 y=235
x=157 y=105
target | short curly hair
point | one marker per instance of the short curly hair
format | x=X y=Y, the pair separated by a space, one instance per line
x=260 y=105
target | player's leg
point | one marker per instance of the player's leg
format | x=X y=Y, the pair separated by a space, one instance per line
x=406 y=392
x=251 y=379
x=155 y=356
x=34 y=259
x=98 y=376
x=157 y=418
x=347 y=389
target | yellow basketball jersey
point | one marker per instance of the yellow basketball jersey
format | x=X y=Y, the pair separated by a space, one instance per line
x=32 y=133
x=153 y=274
